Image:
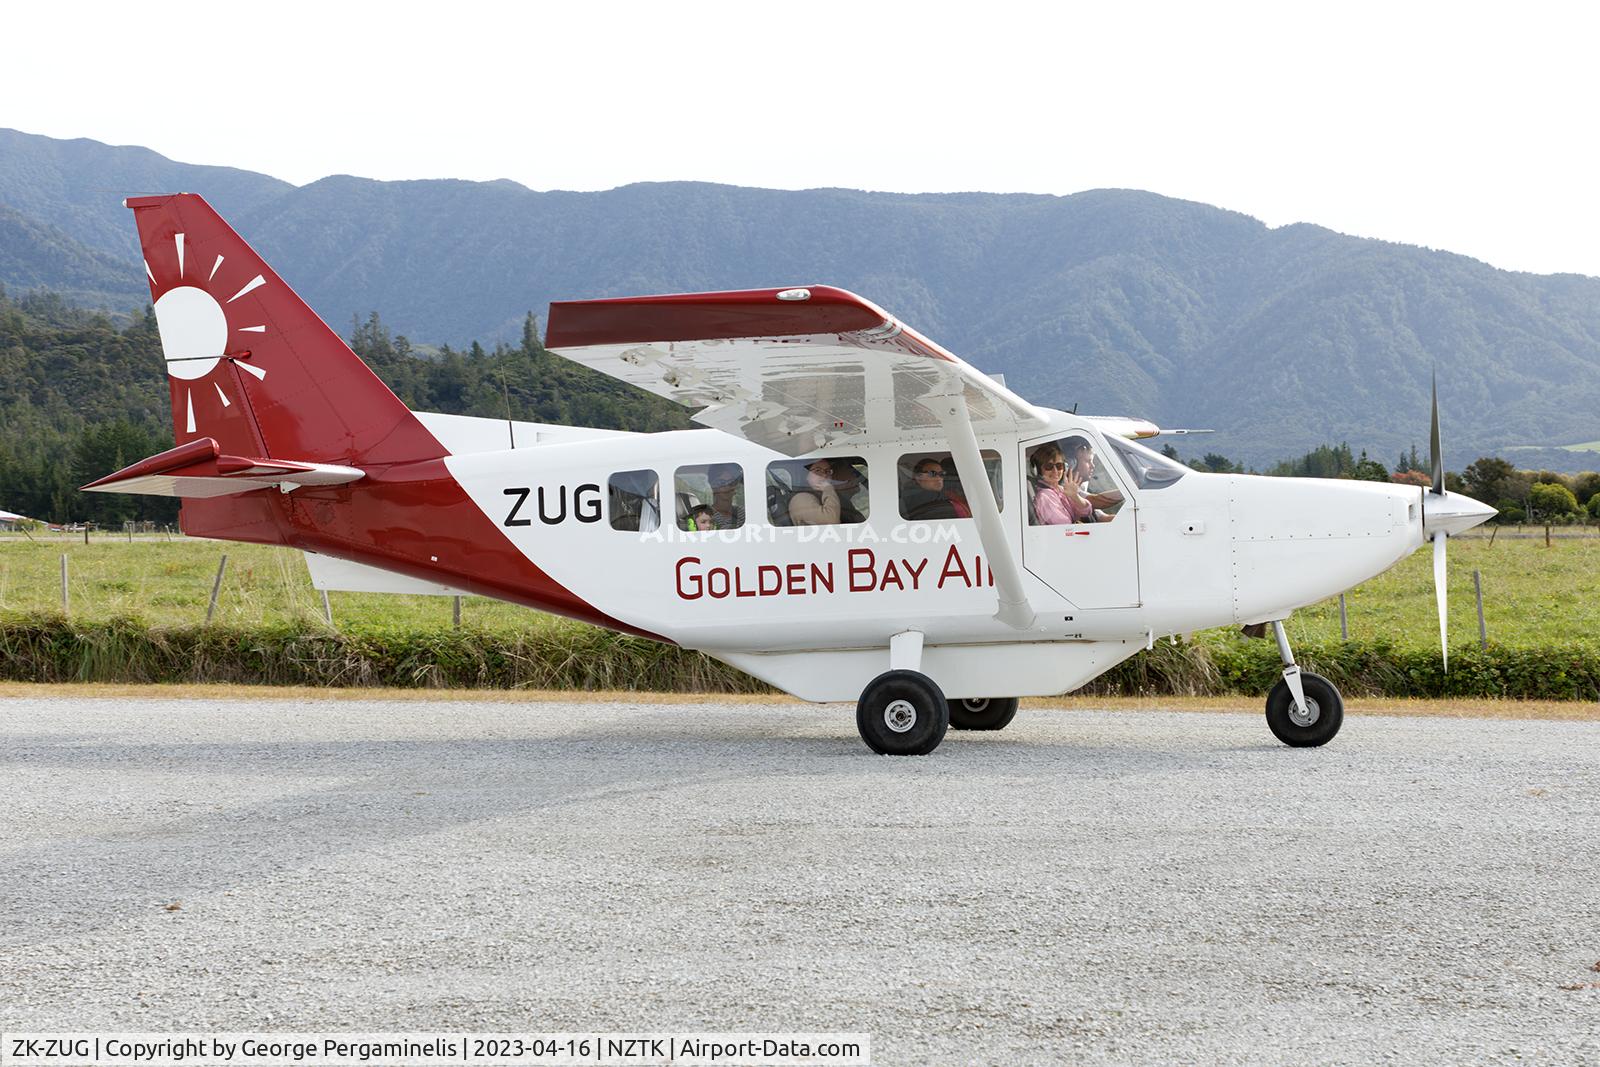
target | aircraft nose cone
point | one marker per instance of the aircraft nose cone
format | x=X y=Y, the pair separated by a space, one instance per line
x=1452 y=513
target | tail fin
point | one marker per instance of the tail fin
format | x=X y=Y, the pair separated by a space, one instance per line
x=249 y=364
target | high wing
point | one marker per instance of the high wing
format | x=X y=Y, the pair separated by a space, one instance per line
x=795 y=370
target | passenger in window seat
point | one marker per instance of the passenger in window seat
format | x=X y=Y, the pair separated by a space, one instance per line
x=927 y=498
x=818 y=503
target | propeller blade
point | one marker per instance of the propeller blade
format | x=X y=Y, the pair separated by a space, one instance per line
x=1441 y=595
x=1435 y=450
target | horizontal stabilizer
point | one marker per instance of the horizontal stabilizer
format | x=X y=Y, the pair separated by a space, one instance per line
x=1133 y=429
x=199 y=469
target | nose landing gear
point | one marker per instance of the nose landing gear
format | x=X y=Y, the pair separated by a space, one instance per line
x=1303 y=710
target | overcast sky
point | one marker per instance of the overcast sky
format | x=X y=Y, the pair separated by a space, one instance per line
x=1468 y=127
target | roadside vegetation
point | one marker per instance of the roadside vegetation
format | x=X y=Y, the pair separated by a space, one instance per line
x=137 y=609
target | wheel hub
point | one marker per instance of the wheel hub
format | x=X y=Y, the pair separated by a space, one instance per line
x=976 y=705
x=900 y=716
x=1307 y=717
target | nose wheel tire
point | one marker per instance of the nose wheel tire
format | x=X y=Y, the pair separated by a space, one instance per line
x=902 y=713
x=1315 y=726
x=982 y=713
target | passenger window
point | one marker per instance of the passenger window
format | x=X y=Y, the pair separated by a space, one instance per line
x=634 y=504
x=1066 y=484
x=930 y=485
x=825 y=491
x=709 y=497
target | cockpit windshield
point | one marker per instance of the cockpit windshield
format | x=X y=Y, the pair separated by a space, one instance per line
x=1147 y=468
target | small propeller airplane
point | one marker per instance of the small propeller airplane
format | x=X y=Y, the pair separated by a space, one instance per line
x=866 y=518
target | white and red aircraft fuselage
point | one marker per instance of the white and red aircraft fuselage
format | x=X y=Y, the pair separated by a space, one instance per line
x=867 y=518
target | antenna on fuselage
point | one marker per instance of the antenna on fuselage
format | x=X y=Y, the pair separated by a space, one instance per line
x=511 y=426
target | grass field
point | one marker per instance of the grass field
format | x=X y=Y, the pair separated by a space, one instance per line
x=1533 y=595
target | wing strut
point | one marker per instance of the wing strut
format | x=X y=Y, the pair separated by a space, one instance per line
x=1015 y=611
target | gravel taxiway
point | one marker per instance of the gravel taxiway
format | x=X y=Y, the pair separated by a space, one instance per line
x=1083 y=887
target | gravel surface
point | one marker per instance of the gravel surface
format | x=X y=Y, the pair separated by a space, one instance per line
x=1084 y=887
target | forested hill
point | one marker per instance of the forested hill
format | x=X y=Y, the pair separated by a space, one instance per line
x=82 y=396
x=1118 y=301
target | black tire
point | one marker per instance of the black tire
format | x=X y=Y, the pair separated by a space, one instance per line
x=902 y=713
x=1322 y=701
x=982 y=713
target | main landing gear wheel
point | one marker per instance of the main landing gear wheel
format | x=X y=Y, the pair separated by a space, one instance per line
x=1322 y=718
x=902 y=713
x=982 y=713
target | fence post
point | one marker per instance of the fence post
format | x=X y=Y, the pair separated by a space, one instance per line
x=458 y=613
x=327 y=608
x=1344 y=620
x=65 y=606
x=85 y=533
x=1547 y=535
x=1483 y=631
x=216 y=587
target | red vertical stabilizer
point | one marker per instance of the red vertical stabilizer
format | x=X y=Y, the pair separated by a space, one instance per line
x=248 y=362
x=250 y=365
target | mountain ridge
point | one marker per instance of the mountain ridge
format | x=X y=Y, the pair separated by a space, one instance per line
x=1121 y=301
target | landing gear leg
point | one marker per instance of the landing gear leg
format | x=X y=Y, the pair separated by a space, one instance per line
x=1303 y=710
x=903 y=712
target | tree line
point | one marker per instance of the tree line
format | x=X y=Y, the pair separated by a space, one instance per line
x=82 y=395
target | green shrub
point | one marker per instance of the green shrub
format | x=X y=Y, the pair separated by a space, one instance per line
x=1550 y=501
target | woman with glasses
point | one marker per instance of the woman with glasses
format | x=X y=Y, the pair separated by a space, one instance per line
x=1057 y=498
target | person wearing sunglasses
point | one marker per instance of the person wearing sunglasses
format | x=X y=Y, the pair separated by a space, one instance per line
x=928 y=498
x=1057 y=499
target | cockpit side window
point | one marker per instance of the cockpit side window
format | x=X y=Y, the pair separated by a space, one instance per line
x=1067 y=485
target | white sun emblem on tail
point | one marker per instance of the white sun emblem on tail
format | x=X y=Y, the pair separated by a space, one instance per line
x=194 y=330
